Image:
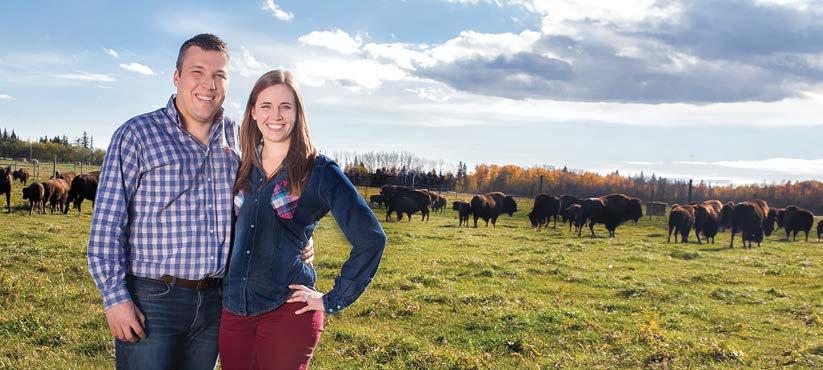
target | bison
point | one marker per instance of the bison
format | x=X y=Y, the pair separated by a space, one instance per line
x=439 y=203
x=612 y=211
x=22 y=175
x=34 y=193
x=819 y=230
x=464 y=210
x=390 y=192
x=68 y=176
x=376 y=199
x=58 y=194
x=575 y=215
x=681 y=220
x=410 y=203
x=566 y=201
x=749 y=218
x=726 y=216
x=490 y=206
x=5 y=185
x=592 y=210
x=82 y=187
x=545 y=207
x=797 y=219
x=706 y=221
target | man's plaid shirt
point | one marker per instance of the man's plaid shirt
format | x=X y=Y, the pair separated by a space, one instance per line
x=164 y=203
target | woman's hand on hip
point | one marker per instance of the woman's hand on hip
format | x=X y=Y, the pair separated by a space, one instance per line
x=313 y=298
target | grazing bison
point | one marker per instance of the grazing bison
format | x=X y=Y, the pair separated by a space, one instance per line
x=5 y=186
x=819 y=230
x=82 y=187
x=376 y=199
x=706 y=221
x=781 y=212
x=490 y=206
x=390 y=192
x=464 y=210
x=681 y=220
x=796 y=220
x=566 y=201
x=616 y=209
x=545 y=207
x=35 y=195
x=749 y=218
x=410 y=203
x=58 y=195
x=21 y=174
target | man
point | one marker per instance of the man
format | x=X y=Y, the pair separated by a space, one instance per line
x=160 y=239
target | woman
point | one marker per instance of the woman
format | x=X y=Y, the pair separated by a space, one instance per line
x=272 y=315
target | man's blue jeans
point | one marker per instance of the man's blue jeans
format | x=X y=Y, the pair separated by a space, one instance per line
x=181 y=327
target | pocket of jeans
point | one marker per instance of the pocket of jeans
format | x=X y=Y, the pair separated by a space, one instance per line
x=150 y=289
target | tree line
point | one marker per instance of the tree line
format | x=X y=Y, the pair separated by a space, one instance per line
x=45 y=149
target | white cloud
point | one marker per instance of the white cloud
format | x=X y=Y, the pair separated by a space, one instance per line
x=352 y=74
x=278 y=13
x=86 y=76
x=111 y=52
x=6 y=97
x=471 y=44
x=138 y=68
x=794 y=166
x=337 y=40
x=405 y=56
x=247 y=65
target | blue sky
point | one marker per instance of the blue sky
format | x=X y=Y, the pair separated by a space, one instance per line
x=722 y=90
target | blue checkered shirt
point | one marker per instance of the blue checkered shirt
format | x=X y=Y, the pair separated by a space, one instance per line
x=164 y=203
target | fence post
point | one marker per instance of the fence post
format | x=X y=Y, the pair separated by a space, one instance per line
x=54 y=166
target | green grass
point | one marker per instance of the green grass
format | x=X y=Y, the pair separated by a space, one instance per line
x=449 y=297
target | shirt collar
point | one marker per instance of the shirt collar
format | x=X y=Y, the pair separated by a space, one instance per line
x=174 y=116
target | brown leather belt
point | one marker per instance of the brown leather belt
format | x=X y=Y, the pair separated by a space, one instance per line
x=207 y=283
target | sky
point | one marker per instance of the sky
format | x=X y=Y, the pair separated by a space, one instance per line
x=726 y=91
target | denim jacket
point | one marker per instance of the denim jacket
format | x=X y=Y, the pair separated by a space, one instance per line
x=265 y=256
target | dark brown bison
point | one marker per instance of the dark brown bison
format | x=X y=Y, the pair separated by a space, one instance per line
x=616 y=209
x=490 y=206
x=781 y=212
x=5 y=186
x=545 y=208
x=464 y=210
x=706 y=222
x=22 y=175
x=565 y=202
x=796 y=220
x=82 y=187
x=749 y=219
x=575 y=215
x=726 y=216
x=376 y=199
x=819 y=230
x=592 y=211
x=410 y=203
x=681 y=220
x=59 y=193
x=34 y=193
x=390 y=192
x=439 y=203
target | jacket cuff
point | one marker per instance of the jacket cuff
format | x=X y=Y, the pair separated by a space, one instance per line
x=344 y=293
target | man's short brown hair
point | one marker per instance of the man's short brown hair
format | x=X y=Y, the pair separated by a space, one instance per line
x=205 y=41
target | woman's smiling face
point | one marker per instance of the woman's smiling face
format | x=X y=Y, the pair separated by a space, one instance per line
x=275 y=113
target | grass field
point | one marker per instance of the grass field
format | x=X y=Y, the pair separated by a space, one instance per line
x=449 y=297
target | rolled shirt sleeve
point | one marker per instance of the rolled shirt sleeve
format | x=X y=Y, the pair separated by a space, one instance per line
x=107 y=248
x=361 y=228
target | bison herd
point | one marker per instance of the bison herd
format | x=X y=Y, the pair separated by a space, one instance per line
x=58 y=192
x=751 y=219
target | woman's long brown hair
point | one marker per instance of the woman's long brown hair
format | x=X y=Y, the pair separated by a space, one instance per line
x=300 y=157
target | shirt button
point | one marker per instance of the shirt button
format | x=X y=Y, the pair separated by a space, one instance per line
x=211 y=231
x=209 y=179
x=338 y=307
x=244 y=278
x=252 y=226
x=212 y=257
x=248 y=252
x=209 y=205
